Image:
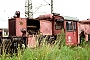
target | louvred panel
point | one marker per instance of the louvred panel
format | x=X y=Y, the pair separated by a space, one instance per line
x=46 y=27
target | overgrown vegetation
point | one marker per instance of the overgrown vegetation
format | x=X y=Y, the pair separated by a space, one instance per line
x=57 y=51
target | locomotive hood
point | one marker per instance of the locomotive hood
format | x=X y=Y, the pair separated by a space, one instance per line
x=46 y=16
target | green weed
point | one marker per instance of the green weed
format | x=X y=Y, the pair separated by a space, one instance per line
x=57 y=51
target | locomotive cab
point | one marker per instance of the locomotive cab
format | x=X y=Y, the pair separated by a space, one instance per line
x=71 y=30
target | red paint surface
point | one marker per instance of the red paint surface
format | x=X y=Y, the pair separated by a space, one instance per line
x=84 y=25
x=31 y=41
x=19 y=27
x=15 y=26
x=85 y=28
x=46 y=16
x=55 y=32
x=73 y=40
x=46 y=27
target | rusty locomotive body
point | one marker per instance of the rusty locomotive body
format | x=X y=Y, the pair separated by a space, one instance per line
x=24 y=31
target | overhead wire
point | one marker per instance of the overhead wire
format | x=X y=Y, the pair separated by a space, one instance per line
x=41 y=6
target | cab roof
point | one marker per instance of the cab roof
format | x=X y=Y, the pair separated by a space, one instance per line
x=71 y=18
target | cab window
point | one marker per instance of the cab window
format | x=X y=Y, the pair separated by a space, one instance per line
x=69 y=26
x=59 y=24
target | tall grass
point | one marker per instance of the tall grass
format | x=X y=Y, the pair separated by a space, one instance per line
x=58 y=51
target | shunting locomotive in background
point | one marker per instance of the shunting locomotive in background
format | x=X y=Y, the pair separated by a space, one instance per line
x=84 y=30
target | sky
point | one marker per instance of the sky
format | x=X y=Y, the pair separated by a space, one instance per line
x=74 y=8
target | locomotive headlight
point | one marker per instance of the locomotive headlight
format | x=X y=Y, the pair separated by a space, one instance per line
x=69 y=39
x=20 y=23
